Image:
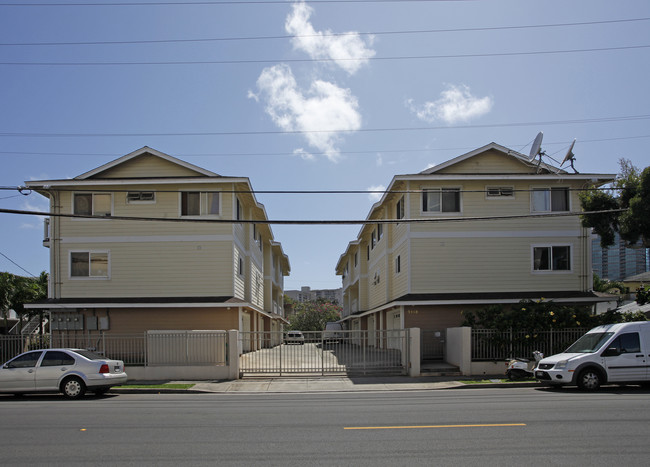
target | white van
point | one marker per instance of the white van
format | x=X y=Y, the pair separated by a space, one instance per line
x=612 y=353
x=333 y=333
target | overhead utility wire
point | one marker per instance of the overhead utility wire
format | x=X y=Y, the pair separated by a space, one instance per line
x=328 y=34
x=320 y=60
x=370 y=151
x=27 y=191
x=16 y=264
x=339 y=130
x=309 y=222
x=216 y=3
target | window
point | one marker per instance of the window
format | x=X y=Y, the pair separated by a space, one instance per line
x=194 y=203
x=441 y=200
x=398 y=265
x=399 y=209
x=88 y=264
x=550 y=199
x=373 y=239
x=92 y=204
x=28 y=360
x=626 y=343
x=240 y=269
x=238 y=210
x=380 y=231
x=500 y=192
x=140 y=197
x=356 y=259
x=57 y=358
x=552 y=258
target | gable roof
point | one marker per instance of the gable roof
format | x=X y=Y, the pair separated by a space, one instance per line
x=516 y=156
x=145 y=151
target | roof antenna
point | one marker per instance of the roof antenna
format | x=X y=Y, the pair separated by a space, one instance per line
x=570 y=156
x=536 y=149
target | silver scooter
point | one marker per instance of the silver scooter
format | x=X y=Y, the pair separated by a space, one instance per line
x=521 y=368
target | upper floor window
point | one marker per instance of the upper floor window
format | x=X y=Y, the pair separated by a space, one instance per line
x=552 y=258
x=356 y=259
x=134 y=197
x=399 y=209
x=195 y=203
x=499 y=192
x=441 y=200
x=373 y=239
x=89 y=264
x=398 y=264
x=238 y=210
x=92 y=204
x=380 y=231
x=550 y=199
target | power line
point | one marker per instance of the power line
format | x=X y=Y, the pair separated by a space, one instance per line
x=324 y=34
x=308 y=60
x=16 y=264
x=366 y=152
x=214 y=3
x=339 y=130
x=310 y=222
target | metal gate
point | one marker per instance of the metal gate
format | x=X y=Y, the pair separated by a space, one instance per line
x=432 y=345
x=324 y=353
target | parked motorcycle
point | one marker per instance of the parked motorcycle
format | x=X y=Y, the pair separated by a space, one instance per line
x=520 y=368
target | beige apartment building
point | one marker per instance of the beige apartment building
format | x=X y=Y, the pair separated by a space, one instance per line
x=150 y=242
x=487 y=227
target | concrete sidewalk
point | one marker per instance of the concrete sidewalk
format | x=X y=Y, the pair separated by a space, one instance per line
x=324 y=385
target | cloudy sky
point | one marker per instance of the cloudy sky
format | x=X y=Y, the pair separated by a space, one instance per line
x=321 y=95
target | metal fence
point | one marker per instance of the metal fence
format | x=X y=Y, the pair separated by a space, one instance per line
x=432 y=345
x=492 y=344
x=150 y=348
x=321 y=353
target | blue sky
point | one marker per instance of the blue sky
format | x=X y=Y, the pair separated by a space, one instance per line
x=311 y=96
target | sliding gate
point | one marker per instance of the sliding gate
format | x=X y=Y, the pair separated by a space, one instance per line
x=324 y=353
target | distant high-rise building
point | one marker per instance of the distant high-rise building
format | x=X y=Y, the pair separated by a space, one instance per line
x=305 y=294
x=617 y=262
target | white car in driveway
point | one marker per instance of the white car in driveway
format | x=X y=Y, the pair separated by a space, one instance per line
x=70 y=371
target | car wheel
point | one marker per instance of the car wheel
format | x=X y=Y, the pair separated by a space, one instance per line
x=73 y=387
x=589 y=380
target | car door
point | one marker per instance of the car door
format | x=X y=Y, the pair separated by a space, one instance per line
x=624 y=359
x=54 y=365
x=18 y=374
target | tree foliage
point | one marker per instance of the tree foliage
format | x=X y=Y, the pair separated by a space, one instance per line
x=643 y=295
x=630 y=192
x=313 y=315
x=543 y=315
x=16 y=291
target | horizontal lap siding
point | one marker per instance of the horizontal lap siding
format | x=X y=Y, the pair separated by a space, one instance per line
x=489 y=265
x=155 y=269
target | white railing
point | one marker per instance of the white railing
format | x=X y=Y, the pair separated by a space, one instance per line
x=492 y=344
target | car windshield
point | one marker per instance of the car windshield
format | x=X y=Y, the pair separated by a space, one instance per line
x=589 y=343
x=89 y=355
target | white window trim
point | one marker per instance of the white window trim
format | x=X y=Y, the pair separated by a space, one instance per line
x=551 y=271
x=203 y=204
x=151 y=201
x=549 y=188
x=89 y=278
x=93 y=204
x=442 y=213
x=500 y=197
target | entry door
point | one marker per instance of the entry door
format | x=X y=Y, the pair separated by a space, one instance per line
x=630 y=364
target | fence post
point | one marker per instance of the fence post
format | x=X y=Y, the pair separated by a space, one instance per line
x=233 y=354
x=413 y=336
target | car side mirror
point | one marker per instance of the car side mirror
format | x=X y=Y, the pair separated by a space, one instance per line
x=611 y=352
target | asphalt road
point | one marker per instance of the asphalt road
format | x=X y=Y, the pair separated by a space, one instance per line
x=516 y=426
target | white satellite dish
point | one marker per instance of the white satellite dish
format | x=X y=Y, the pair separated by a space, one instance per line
x=569 y=154
x=536 y=147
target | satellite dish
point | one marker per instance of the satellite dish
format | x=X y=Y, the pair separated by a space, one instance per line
x=569 y=154
x=536 y=147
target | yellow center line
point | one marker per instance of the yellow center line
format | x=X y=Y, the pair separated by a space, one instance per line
x=483 y=425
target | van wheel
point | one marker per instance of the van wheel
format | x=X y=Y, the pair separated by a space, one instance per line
x=589 y=379
x=73 y=388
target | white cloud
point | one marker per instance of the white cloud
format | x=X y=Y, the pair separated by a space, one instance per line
x=374 y=197
x=304 y=154
x=323 y=112
x=349 y=50
x=456 y=104
x=380 y=160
